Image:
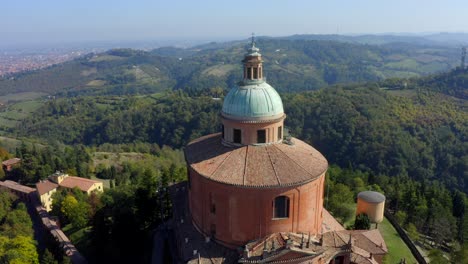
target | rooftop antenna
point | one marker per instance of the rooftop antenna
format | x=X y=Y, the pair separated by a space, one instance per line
x=463 y=56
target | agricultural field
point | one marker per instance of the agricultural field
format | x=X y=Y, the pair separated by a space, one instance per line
x=11 y=114
x=219 y=70
x=16 y=97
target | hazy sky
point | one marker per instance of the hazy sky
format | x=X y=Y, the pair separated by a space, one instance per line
x=23 y=21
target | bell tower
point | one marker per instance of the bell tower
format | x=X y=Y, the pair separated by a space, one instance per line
x=253 y=70
x=253 y=111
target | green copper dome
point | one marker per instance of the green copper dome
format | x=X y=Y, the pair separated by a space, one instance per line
x=253 y=101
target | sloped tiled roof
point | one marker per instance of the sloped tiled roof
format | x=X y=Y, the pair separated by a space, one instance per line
x=11 y=161
x=329 y=223
x=45 y=186
x=17 y=187
x=361 y=245
x=82 y=183
x=255 y=166
x=370 y=240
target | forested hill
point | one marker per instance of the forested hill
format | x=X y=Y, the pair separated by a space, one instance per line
x=290 y=65
x=397 y=132
x=453 y=83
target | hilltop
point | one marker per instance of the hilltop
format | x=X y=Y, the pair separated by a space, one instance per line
x=296 y=63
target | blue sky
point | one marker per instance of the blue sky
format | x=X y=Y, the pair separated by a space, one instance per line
x=23 y=21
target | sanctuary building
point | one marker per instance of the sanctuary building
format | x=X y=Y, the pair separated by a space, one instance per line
x=257 y=196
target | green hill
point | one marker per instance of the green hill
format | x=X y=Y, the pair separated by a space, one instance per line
x=290 y=65
x=417 y=132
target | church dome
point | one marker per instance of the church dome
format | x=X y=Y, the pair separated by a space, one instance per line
x=253 y=101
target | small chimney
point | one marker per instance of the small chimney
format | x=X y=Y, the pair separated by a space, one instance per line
x=265 y=249
x=246 y=253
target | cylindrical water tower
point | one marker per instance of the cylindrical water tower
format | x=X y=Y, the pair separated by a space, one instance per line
x=372 y=204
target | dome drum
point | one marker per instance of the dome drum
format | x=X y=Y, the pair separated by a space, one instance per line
x=252 y=133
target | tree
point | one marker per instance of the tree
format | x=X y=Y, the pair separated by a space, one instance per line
x=48 y=258
x=76 y=212
x=6 y=198
x=18 y=222
x=400 y=217
x=340 y=202
x=66 y=260
x=18 y=250
x=460 y=256
x=437 y=257
x=362 y=222
x=412 y=232
x=4 y=155
x=2 y=173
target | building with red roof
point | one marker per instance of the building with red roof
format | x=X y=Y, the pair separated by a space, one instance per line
x=9 y=164
x=24 y=192
x=252 y=188
x=47 y=188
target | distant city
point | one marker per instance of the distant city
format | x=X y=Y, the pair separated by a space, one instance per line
x=20 y=58
x=11 y=63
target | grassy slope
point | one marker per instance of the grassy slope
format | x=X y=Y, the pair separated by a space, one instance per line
x=397 y=249
x=14 y=113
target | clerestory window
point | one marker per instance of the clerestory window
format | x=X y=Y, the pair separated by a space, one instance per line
x=281 y=207
x=237 y=136
x=261 y=136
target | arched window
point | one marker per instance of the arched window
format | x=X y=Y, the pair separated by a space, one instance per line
x=281 y=207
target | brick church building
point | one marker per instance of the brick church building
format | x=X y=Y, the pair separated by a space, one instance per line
x=257 y=196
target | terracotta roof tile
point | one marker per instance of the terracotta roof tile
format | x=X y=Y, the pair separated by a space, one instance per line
x=329 y=223
x=82 y=183
x=17 y=187
x=370 y=240
x=45 y=186
x=11 y=161
x=333 y=243
x=257 y=166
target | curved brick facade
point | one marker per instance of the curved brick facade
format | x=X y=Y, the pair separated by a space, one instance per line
x=247 y=182
x=234 y=215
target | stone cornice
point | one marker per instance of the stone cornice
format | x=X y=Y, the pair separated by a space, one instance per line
x=253 y=121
